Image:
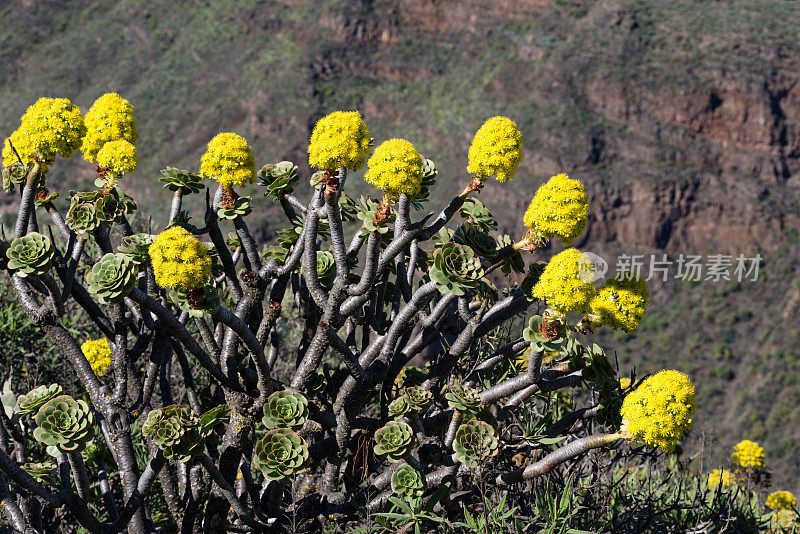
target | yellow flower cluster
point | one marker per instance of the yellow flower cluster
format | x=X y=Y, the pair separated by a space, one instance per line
x=781 y=500
x=719 y=477
x=119 y=157
x=748 y=454
x=659 y=411
x=496 y=150
x=179 y=259
x=396 y=168
x=50 y=127
x=558 y=209
x=228 y=160
x=340 y=139
x=624 y=383
x=563 y=284
x=621 y=302
x=98 y=352
x=109 y=119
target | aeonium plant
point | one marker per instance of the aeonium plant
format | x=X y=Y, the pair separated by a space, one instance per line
x=191 y=387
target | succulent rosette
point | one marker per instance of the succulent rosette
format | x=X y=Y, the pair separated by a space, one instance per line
x=326 y=267
x=240 y=207
x=42 y=471
x=418 y=398
x=285 y=409
x=36 y=398
x=399 y=407
x=456 y=268
x=483 y=244
x=395 y=440
x=475 y=442
x=30 y=255
x=112 y=278
x=14 y=173
x=82 y=216
x=64 y=425
x=179 y=432
x=175 y=179
x=408 y=483
x=136 y=247
x=279 y=178
x=410 y=376
x=280 y=454
x=463 y=398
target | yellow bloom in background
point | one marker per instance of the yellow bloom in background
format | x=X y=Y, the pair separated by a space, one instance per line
x=748 y=454
x=228 y=160
x=719 y=477
x=396 y=168
x=562 y=284
x=179 y=259
x=558 y=209
x=98 y=352
x=340 y=139
x=50 y=127
x=624 y=383
x=109 y=119
x=496 y=150
x=621 y=303
x=119 y=157
x=659 y=411
x=781 y=500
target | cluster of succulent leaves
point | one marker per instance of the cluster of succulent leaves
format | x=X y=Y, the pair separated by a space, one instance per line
x=369 y=212
x=30 y=255
x=176 y=179
x=282 y=453
x=136 y=247
x=429 y=174
x=179 y=432
x=94 y=209
x=475 y=442
x=112 y=278
x=239 y=208
x=64 y=425
x=395 y=440
x=14 y=174
x=456 y=269
x=413 y=398
x=279 y=178
x=37 y=397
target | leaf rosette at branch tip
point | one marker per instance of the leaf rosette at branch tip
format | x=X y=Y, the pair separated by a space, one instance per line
x=174 y=179
x=543 y=334
x=136 y=247
x=429 y=174
x=179 y=432
x=418 y=398
x=36 y=398
x=408 y=483
x=64 y=425
x=399 y=407
x=469 y=235
x=475 y=442
x=279 y=178
x=456 y=269
x=285 y=409
x=375 y=215
x=477 y=214
x=409 y=376
x=482 y=414
x=197 y=302
x=112 y=278
x=395 y=440
x=44 y=472
x=44 y=197
x=239 y=208
x=280 y=454
x=326 y=268
x=463 y=398
x=14 y=174
x=513 y=263
x=348 y=209
x=30 y=255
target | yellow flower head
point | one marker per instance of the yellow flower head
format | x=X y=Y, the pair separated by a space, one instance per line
x=748 y=454
x=781 y=500
x=659 y=411
x=624 y=383
x=496 y=150
x=340 y=139
x=179 y=259
x=621 y=302
x=119 y=157
x=719 y=477
x=50 y=127
x=98 y=352
x=228 y=160
x=558 y=209
x=565 y=283
x=395 y=167
x=109 y=119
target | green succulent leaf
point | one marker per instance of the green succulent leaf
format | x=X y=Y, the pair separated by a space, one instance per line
x=136 y=247
x=112 y=278
x=394 y=440
x=408 y=483
x=279 y=178
x=456 y=268
x=463 y=398
x=285 y=409
x=64 y=424
x=240 y=208
x=174 y=179
x=475 y=442
x=281 y=454
x=36 y=398
x=30 y=255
